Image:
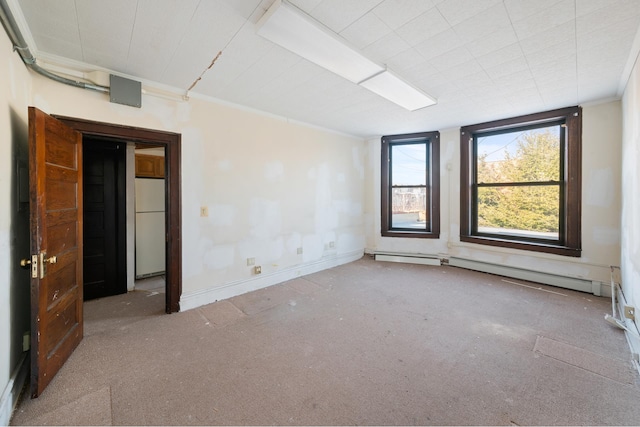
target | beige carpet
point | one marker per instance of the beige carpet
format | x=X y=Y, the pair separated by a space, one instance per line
x=368 y=343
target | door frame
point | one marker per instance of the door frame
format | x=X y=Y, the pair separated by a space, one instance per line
x=173 y=201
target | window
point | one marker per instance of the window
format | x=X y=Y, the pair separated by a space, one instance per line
x=411 y=185
x=520 y=182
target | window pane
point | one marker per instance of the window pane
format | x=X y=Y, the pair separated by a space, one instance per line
x=531 y=211
x=409 y=208
x=520 y=156
x=409 y=164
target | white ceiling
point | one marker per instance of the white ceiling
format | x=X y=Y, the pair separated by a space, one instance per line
x=481 y=59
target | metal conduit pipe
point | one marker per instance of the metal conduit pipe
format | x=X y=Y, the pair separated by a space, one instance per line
x=19 y=44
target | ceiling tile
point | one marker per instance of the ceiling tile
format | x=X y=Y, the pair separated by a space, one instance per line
x=156 y=35
x=562 y=34
x=439 y=44
x=492 y=42
x=244 y=8
x=484 y=23
x=396 y=13
x=562 y=13
x=584 y=7
x=553 y=54
x=211 y=29
x=54 y=25
x=519 y=10
x=457 y=11
x=350 y=11
x=106 y=24
x=451 y=58
x=563 y=68
x=594 y=21
x=500 y=56
x=517 y=65
x=385 y=48
x=365 y=31
x=424 y=26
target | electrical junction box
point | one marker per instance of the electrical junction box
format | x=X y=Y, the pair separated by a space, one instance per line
x=125 y=91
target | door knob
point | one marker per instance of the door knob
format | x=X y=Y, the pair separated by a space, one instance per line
x=25 y=262
x=51 y=259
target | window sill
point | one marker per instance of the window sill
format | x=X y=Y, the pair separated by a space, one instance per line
x=411 y=234
x=527 y=246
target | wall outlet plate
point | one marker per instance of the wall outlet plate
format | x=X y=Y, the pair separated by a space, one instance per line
x=251 y=261
x=257 y=269
x=629 y=312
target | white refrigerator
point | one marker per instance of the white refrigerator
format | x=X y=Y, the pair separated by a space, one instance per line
x=150 y=227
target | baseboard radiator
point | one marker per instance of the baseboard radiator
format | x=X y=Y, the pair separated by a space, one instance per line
x=577 y=284
x=422 y=259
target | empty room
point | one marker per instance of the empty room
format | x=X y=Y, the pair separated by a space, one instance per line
x=319 y=212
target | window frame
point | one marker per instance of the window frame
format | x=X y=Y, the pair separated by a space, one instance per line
x=569 y=242
x=432 y=141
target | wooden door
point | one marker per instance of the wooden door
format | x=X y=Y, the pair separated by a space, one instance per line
x=104 y=215
x=55 y=183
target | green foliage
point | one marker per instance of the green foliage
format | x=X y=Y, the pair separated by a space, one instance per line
x=529 y=208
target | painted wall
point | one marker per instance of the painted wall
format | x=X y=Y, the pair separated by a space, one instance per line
x=15 y=90
x=630 y=247
x=601 y=200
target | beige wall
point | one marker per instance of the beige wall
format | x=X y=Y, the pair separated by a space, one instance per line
x=600 y=206
x=630 y=262
x=15 y=90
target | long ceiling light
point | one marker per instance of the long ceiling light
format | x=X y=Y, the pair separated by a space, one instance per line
x=289 y=27
x=392 y=87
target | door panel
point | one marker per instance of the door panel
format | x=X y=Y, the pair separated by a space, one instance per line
x=55 y=184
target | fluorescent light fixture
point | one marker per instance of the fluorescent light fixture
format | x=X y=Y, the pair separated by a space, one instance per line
x=289 y=27
x=292 y=29
x=389 y=86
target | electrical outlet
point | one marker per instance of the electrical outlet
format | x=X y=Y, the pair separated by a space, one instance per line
x=251 y=261
x=257 y=269
x=629 y=312
x=204 y=211
x=299 y=251
x=332 y=245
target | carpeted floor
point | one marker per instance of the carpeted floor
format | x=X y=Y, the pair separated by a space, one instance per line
x=369 y=343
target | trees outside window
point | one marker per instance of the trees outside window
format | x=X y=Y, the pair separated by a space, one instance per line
x=521 y=182
x=411 y=185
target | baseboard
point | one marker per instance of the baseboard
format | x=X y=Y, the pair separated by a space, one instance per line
x=576 y=284
x=208 y=296
x=11 y=393
x=407 y=258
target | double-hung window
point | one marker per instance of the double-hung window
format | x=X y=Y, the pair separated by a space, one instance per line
x=410 y=175
x=520 y=182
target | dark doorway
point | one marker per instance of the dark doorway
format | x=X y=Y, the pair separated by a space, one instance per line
x=104 y=192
